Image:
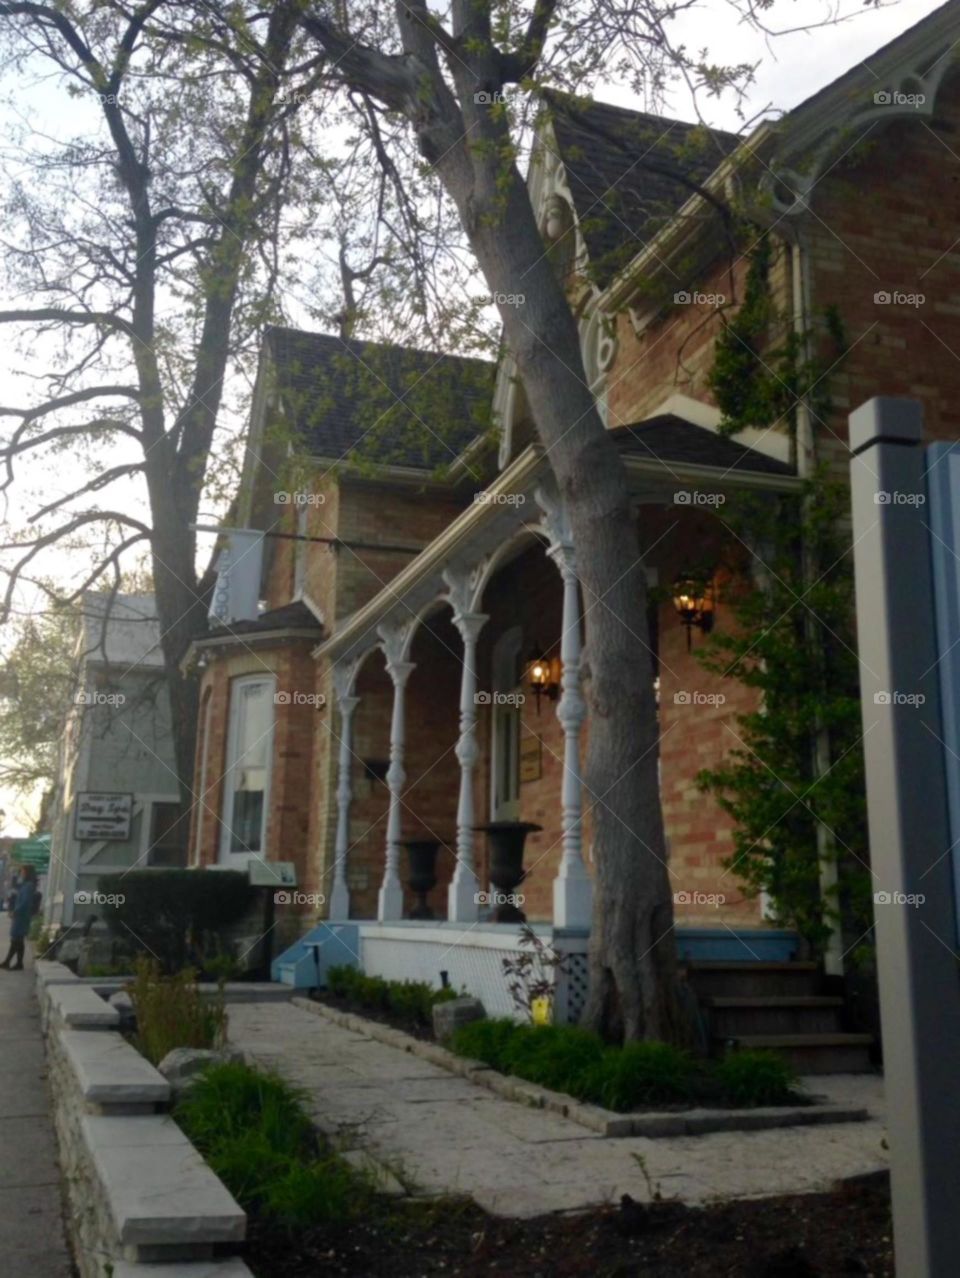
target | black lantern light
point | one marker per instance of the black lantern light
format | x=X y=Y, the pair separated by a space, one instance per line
x=693 y=600
x=543 y=675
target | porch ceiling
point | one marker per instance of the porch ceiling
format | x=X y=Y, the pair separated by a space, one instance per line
x=663 y=456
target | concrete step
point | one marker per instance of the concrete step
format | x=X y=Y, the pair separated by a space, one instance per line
x=773 y=1014
x=752 y=980
x=810 y=1053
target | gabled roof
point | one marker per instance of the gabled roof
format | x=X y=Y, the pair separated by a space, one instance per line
x=377 y=403
x=672 y=439
x=629 y=173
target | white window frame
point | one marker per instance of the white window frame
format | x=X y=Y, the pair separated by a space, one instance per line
x=226 y=855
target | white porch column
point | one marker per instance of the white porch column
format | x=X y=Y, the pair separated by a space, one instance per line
x=572 y=888
x=339 y=907
x=462 y=906
x=390 y=898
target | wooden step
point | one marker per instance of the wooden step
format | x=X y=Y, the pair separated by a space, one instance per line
x=772 y=1014
x=810 y=1053
x=753 y=980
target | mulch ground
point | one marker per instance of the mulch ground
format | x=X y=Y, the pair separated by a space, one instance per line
x=409 y=1026
x=847 y=1231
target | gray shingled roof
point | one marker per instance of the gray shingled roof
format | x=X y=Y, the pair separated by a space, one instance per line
x=671 y=439
x=379 y=403
x=291 y=616
x=629 y=173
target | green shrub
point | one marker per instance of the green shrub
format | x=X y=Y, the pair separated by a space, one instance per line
x=254 y=1131
x=172 y=1012
x=568 y=1059
x=646 y=1073
x=755 y=1078
x=407 y=1000
x=173 y=912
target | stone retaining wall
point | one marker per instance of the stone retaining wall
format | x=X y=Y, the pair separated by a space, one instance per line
x=141 y=1199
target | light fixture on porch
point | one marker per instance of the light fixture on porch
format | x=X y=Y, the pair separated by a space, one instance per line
x=693 y=599
x=543 y=674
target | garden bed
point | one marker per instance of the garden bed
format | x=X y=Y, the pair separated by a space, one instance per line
x=846 y=1231
x=404 y=1005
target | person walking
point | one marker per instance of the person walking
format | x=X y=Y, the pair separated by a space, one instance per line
x=20 y=917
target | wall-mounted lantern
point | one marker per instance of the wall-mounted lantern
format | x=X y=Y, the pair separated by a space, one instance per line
x=693 y=598
x=543 y=674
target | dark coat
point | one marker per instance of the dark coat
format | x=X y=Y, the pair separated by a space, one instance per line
x=22 y=911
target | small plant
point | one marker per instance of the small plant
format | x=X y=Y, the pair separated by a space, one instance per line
x=254 y=1131
x=755 y=1078
x=172 y=1012
x=411 y=1001
x=532 y=974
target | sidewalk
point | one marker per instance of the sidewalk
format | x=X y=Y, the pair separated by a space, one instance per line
x=32 y=1243
x=446 y=1135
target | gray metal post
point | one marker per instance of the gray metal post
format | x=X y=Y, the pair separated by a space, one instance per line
x=909 y=833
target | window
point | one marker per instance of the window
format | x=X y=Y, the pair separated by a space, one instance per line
x=168 y=835
x=300 y=550
x=247 y=782
x=201 y=801
x=505 y=729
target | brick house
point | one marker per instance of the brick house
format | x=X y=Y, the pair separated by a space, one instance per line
x=384 y=693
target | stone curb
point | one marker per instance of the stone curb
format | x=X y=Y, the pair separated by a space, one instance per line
x=604 y=1122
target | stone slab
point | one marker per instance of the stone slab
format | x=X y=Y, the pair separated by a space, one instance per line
x=51 y=973
x=160 y=1191
x=78 y=1007
x=109 y=1071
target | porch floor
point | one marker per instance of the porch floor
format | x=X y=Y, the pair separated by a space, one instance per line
x=446 y=1135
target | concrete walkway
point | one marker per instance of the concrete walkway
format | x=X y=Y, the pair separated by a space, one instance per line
x=444 y=1134
x=32 y=1243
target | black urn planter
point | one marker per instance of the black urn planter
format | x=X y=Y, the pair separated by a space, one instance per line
x=422 y=856
x=506 y=840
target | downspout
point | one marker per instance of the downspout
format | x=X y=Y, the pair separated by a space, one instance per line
x=806 y=460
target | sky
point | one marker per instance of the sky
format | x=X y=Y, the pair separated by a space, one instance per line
x=791 y=68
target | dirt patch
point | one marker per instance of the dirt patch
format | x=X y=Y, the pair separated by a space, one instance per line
x=845 y=1232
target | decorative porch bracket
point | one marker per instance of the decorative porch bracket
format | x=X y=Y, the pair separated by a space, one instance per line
x=344 y=676
x=573 y=887
x=395 y=645
x=462 y=895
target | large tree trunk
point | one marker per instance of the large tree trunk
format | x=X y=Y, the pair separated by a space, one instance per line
x=632 y=946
